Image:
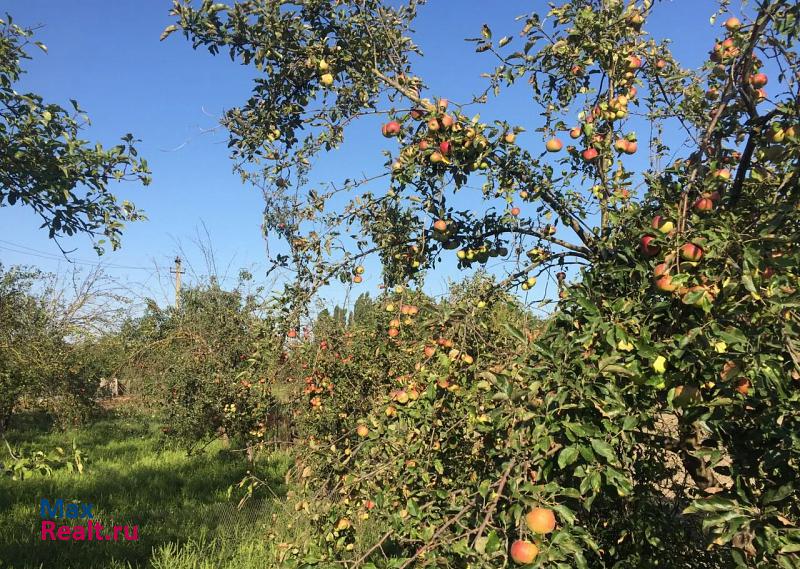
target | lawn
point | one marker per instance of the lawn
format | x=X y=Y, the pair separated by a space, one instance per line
x=180 y=503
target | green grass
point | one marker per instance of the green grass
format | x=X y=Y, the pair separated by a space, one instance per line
x=180 y=503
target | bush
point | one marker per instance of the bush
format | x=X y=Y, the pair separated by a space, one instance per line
x=186 y=360
x=45 y=362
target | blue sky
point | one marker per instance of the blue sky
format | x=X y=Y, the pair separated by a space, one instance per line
x=108 y=56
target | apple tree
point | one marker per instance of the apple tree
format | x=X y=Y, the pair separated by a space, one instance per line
x=46 y=166
x=653 y=419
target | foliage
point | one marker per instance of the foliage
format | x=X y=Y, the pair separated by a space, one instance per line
x=39 y=366
x=24 y=465
x=46 y=165
x=661 y=398
x=186 y=360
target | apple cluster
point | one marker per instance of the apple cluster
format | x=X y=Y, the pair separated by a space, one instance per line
x=725 y=54
x=325 y=74
x=596 y=124
x=540 y=521
x=408 y=311
x=440 y=138
x=689 y=254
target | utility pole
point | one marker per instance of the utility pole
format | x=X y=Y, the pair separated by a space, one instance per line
x=178 y=272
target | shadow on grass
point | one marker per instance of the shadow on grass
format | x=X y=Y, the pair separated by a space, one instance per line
x=171 y=497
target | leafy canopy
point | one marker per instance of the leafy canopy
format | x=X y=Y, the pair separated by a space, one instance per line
x=46 y=165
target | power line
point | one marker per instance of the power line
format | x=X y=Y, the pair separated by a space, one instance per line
x=29 y=251
x=55 y=256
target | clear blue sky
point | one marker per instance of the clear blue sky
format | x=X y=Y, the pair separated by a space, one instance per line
x=107 y=55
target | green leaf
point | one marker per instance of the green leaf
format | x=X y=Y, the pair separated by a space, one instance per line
x=567 y=456
x=492 y=542
x=604 y=449
x=615 y=369
x=515 y=332
x=714 y=504
x=778 y=494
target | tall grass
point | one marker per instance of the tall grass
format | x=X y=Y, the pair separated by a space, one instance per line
x=181 y=504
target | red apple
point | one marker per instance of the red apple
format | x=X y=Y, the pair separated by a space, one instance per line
x=634 y=62
x=523 y=552
x=589 y=154
x=704 y=204
x=440 y=225
x=433 y=124
x=515 y=211
x=391 y=128
x=758 y=80
x=447 y=121
x=575 y=132
x=444 y=147
x=662 y=278
x=691 y=252
x=648 y=249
